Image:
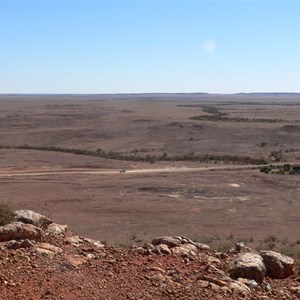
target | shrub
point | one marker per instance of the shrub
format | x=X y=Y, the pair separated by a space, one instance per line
x=6 y=215
x=265 y=169
x=276 y=155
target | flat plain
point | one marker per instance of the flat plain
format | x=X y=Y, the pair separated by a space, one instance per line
x=217 y=204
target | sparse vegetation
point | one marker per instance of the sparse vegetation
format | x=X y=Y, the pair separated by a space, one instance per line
x=217 y=115
x=276 y=155
x=262 y=144
x=6 y=214
x=136 y=156
x=281 y=169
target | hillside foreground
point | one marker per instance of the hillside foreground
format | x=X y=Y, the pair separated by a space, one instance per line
x=44 y=260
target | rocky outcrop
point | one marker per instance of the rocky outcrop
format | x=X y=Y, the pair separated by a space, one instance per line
x=47 y=249
x=248 y=265
x=31 y=217
x=20 y=231
x=13 y=244
x=177 y=245
x=277 y=265
x=56 y=229
x=68 y=266
x=170 y=241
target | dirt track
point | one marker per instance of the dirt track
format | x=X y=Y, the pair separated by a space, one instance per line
x=78 y=171
x=96 y=171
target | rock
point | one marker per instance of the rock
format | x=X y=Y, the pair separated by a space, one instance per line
x=239 y=287
x=185 y=249
x=157 y=269
x=295 y=290
x=13 y=244
x=20 y=231
x=48 y=250
x=203 y=283
x=249 y=282
x=266 y=287
x=277 y=265
x=56 y=229
x=185 y=240
x=167 y=240
x=31 y=217
x=164 y=249
x=49 y=247
x=158 y=277
x=178 y=245
x=75 y=260
x=45 y=252
x=201 y=246
x=215 y=270
x=240 y=246
x=212 y=280
x=74 y=240
x=214 y=286
x=248 y=265
x=149 y=248
x=97 y=244
x=213 y=260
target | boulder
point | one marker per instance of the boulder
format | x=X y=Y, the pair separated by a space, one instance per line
x=185 y=249
x=13 y=244
x=239 y=287
x=75 y=260
x=31 y=217
x=49 y=247
x=56 y=229
x=295 y=290
x=201 y=246
x=163 y=249
x=75 y=240
x=180 y=245
x=170 y=241
x=94 y=243
x=148 y=249
x=47 y=250
x=277 y=265
x=249 y=283
x=248 y=265
x=216 y=281
x=20 y=231
x=44 y=252
x=240 y=247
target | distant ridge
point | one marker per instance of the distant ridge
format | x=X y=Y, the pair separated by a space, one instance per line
x=192 y=94
x=276 y=97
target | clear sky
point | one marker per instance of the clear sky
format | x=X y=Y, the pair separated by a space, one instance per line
x=149 y=46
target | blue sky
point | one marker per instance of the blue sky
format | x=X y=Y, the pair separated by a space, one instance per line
x=149 y=46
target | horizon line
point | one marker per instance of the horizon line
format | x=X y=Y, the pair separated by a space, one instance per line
x=151 y=93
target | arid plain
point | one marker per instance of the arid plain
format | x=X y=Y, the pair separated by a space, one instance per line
x=218 y=203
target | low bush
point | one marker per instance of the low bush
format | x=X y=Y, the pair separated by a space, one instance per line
x=6 y=214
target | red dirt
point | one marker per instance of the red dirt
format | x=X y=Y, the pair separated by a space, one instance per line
x=112 y=273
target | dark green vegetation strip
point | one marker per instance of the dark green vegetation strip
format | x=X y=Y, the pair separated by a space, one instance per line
x=217 y=115
x=207 y=158
x=237 y=119
x=282 y=170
